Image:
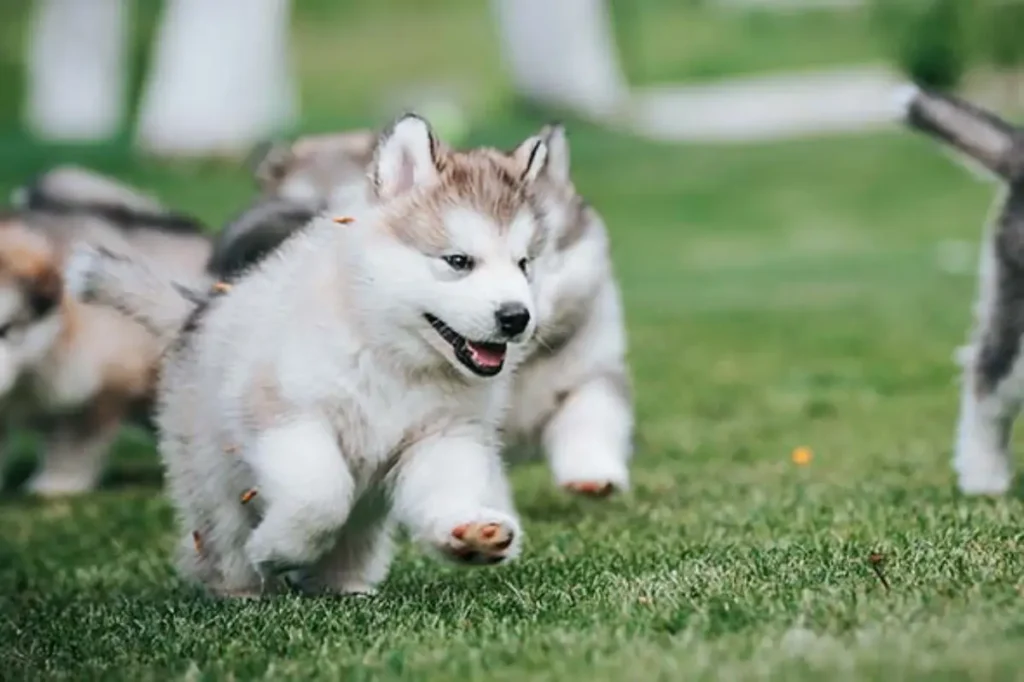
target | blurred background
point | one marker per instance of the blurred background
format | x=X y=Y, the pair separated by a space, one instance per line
x=743 y=153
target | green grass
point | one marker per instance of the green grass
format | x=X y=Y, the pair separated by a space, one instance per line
x=777 y=296
x=666 y=41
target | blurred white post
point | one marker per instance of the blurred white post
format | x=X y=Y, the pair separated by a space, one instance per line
x=76 y=69
x=562 y=53
x=220 y=80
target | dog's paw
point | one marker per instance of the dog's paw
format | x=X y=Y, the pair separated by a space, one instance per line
x=595 y=489
x=593 y=477
x=488 y=539
x=53 y=484
x=993 y=483
x=980 y=472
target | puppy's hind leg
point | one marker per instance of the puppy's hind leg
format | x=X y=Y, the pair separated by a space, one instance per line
x=306 y=492
x=76 y=450
x=992 y=383
x=357 y=563
x=588 y=440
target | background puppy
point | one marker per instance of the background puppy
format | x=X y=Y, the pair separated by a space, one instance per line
x=354 y=379
x=573 y=393
x=75 y=370
x=993 y=379
x=296 y=181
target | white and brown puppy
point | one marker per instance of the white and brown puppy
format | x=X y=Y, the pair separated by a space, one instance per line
x=75 y=370
x=993 y=363
x=572 y=392
x=356 y=378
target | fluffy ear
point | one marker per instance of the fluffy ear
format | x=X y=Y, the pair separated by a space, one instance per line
x=405 y=157
x=531 y=156
x=268 y=162
x=558 y=152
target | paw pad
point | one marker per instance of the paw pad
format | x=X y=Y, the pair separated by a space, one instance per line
x=481 y=543
x=591 y=488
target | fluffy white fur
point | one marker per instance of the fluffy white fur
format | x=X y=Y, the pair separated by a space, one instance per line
x=317 y=382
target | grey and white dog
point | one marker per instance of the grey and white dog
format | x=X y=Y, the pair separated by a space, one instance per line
x=573 y=390
x=993 y=371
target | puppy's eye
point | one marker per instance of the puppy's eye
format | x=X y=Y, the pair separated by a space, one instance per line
x=524 y=265
x=458 y=261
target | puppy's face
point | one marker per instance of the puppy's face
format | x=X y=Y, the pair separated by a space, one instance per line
x=461 y=231
x=30 y=296
x=319 y=170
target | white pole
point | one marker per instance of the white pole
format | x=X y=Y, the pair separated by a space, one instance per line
x=562 y=53
x=220 y=80
x=76 y=56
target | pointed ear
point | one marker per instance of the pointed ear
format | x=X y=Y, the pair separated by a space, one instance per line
x=268 y=162
x=531 y=156
x=558 y=152
x=406 y=157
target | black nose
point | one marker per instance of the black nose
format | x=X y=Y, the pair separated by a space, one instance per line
x=512 y=318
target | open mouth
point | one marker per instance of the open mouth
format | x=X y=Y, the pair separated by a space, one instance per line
x=480 y=357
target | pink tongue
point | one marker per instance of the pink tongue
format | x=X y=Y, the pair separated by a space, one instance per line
x=486 y=357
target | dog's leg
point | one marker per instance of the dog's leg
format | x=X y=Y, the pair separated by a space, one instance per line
x=357 y=563
x=982 y=459
x=588 y=440
x=452 y=494
x=305 y=490
x=76 y=450
x=991 y=388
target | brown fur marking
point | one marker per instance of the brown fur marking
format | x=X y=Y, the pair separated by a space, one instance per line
x=483 y=179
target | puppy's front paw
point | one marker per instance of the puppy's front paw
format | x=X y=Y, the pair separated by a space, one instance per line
x=490 y=538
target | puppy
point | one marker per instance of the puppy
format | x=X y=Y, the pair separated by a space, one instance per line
x=573 y=394
x=76 y=371
x=993 y=372
x=296 y=181
x=573 y=391
x=355 y=379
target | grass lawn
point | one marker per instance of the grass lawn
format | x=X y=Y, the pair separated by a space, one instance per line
x=667 y=41
x=800 y=294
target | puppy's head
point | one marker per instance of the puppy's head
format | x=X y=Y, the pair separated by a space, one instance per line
x=453 y=254
x=30 y=296
x=322 y=170
x=565 y=211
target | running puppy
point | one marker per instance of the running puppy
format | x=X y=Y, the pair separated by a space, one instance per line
x=572 y=391
x=993 y=380
x=355 y=379
x=77 y=371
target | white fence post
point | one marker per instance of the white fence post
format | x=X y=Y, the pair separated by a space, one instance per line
x=562 y=53
x=220 y=79
x=76 y=55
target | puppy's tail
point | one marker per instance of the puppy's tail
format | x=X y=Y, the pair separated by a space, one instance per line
x=132 y=287
x=976 y=133
x=255 y=233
